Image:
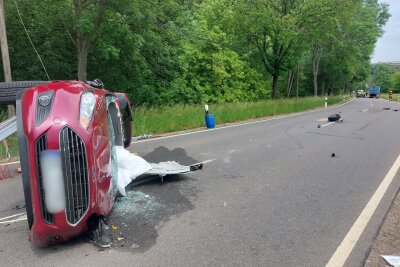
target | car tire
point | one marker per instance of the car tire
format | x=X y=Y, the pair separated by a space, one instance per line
x=9 y=90
x=334 y=117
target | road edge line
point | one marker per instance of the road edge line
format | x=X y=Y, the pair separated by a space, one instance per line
x=347 y=245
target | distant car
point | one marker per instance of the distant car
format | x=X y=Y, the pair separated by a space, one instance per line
x=360 y=93
x=67 y=133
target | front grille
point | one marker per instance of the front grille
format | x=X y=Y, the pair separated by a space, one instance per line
x=41 y=144
x=76 y=180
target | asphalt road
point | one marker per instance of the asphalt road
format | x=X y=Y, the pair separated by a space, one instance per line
x=272 y=196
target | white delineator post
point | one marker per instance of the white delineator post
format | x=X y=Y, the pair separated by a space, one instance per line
x=326 y=102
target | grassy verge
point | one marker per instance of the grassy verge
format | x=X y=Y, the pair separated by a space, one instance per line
x=12 y=143
x=395 y=97
x=183 y=117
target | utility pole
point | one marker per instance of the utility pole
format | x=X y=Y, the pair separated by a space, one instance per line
x=4 y=53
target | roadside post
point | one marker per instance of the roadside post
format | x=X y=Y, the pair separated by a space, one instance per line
x=326 y=102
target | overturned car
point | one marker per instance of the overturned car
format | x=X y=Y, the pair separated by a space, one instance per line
x=68 y=131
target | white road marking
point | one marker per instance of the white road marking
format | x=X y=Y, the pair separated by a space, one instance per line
x=345 y=248
x=12 y=216
x=240 y=124
x=21 y=218
x=327 y=124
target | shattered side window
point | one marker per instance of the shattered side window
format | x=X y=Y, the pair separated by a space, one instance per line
x=113 y=159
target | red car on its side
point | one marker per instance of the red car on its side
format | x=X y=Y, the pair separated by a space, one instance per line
x=67 y=132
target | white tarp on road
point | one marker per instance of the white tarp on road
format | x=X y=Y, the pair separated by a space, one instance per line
x=131 y=166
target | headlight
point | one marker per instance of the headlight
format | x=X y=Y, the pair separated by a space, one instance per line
x=88 y=101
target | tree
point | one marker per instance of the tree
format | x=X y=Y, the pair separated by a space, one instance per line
x=182 y=51
x=321 y=21
x=88 y=18
x=395 y=79
x=382 y=77
x=211 y=71
x=271 y=29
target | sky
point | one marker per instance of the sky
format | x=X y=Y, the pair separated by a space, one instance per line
x=388 y=46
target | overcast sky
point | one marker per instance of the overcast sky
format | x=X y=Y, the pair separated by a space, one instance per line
x=388 y=46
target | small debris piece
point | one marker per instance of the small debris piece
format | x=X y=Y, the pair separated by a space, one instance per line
x=195 y=167
x=224 y=205
x=100 y=234
x=86 y=255
x=143 y=136
x=147 y=196
x=392 y=260
x=18 y=207
x=121 y=238
x=319 y=125
x=333 y=155
x=18 y=170
x=395 y=109
x=114 y=227
x=135 y=246
x=386 y=108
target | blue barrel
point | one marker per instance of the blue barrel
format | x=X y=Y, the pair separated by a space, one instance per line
x=210 y=121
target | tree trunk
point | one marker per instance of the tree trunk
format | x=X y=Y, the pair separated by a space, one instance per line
x=275 y=86
x=85 y=40
x=297 y=82
x=315 y=77
x=83 y=50
x=289 y=82
x=315 y=60
x=5 y=55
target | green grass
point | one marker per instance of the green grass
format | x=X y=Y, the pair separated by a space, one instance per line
x=12 y=143
x=184 y=117
x=395 y=97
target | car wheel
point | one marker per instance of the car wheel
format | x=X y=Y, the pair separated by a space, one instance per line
x=334 y=117
x=9 y=90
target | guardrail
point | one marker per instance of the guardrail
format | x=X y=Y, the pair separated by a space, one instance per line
x=8 y=127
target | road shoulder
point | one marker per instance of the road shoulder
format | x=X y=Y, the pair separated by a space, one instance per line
x=387 y=241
